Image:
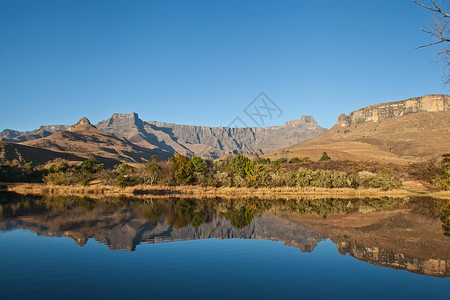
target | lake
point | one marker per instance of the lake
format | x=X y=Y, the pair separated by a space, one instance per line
x=116 y=248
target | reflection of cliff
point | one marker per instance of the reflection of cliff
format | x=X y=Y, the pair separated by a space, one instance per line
x=409 y=239
x=123 y=231
x=387 y=258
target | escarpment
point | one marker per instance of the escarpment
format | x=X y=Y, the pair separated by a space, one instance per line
x=386 y=111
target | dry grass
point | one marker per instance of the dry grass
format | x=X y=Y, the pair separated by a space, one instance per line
x=145 y=191
x=400 y=140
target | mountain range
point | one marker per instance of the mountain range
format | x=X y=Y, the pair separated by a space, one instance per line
x=125 y=137
x=395 y=132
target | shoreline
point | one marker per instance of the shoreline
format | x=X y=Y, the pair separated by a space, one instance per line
x=161 y=192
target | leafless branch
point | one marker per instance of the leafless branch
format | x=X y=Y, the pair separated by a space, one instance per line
x=436 y=8
x=439 y=32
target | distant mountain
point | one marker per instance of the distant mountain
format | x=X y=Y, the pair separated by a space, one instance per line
x=167 y=138
x=209 y=141
x=14 y=136
x=396 y=132
x=85 y=140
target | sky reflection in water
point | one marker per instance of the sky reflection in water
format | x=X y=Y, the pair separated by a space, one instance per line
x=218 y=260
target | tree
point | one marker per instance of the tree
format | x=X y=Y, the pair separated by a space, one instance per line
x=444 y=172
x=242 y=165
x=324 y=157
x=184 y=172
x=151 y=173
x=295 y=160
x=198 y=163
x=438 y=30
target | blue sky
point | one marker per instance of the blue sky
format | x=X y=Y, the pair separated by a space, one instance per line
x=202 y=62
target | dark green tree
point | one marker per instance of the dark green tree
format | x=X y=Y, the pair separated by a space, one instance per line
x=324 y=157
x=184 y=171
x=198 y=163
x=242 y=165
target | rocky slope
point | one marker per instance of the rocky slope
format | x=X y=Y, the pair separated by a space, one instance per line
x=396 y=132
x=210 y=142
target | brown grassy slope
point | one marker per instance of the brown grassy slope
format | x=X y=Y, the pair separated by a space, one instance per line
x=399 y=140
x=20 y=154
x=87 y=141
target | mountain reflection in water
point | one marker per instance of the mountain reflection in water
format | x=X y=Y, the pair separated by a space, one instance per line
x=407 y=234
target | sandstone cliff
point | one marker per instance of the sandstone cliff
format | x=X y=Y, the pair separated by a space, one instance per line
x=398 y=132
x=386 y=111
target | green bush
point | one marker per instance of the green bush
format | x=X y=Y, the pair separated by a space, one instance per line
x=324 y=157
x=383 y=180
x=150 y=173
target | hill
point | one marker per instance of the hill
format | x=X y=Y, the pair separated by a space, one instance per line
x=396 y=132
x=85 y=140
x=19 y=154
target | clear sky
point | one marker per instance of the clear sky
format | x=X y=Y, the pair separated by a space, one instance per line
x=202 y=62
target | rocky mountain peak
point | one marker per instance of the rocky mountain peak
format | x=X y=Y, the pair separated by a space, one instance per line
x=83 y=124
x=122 y=121
x=304 y=120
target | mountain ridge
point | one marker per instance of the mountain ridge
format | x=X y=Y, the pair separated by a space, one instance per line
x=208 y=142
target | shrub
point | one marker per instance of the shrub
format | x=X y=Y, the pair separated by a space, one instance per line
x=198 y=163
x=324 y=157
x=184 y=171
x=295 y=160
x=383 y=180
x=242 y=165
x=280 y=161
x=150 y=173
x=443 y=176
x=60 y=178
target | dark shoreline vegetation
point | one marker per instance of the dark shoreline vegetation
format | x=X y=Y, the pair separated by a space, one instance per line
x=240 y=212
x=233 y=171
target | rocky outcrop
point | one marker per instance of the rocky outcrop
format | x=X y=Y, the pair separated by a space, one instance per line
x=386 y=111
x=83 y=124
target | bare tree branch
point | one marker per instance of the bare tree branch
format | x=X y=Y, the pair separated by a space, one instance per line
x=438 y=27
x=436 y=8
x=438 y=31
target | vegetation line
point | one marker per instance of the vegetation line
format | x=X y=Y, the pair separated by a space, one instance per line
x=160 y=191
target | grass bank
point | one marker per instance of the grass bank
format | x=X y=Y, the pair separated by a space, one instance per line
x=160 y=191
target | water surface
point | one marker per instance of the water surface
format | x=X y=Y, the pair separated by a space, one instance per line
x=76 y=248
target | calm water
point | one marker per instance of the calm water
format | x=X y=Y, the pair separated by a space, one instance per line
x=72 y=248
